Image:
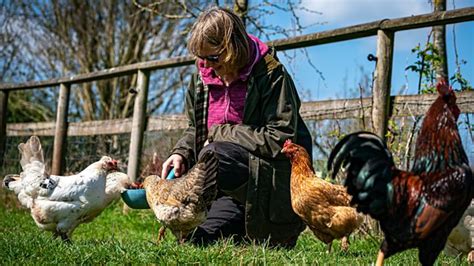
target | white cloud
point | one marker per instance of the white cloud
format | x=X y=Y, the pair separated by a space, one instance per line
x=344 y=13
x=350 y=12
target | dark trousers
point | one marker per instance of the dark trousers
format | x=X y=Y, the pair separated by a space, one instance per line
x=226 y=216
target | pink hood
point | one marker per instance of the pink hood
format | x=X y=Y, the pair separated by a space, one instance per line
x=258 y=49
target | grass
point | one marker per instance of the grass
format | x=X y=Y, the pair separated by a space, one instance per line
x=115 y=238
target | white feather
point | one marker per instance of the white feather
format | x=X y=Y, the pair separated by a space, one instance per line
x=461 y=239
x=61 y=203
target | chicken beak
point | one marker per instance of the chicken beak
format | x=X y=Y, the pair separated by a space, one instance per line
x=10 y=178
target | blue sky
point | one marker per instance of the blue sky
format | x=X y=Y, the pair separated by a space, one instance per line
x=341 y=62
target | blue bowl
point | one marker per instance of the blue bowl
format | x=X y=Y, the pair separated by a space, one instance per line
x=171 y=174
x=135 y=198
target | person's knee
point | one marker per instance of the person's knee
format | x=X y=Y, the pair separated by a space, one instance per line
x=219 y=147
x=209 y=147
x=233 y=166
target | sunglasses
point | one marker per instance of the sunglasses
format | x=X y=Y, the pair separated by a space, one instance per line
x=210 y=58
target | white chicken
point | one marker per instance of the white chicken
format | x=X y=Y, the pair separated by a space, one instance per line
x=60 y=203
x=461 y=240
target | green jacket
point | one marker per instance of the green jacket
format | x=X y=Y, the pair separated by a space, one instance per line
x=270 y=117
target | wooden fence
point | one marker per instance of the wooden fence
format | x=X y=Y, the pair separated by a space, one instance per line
x=379 y=107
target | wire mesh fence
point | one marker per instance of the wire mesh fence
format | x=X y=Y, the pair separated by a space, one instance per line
x=84 y=150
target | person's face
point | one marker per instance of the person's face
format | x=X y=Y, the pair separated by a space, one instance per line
x=213 y=59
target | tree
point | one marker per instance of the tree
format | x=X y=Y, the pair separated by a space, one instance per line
x=64 y=38
x=8 y=46
x=61 y=38
x=22 y=106
x=439 y=42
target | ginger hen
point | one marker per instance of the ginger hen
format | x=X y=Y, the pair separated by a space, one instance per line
x=324 y=207
x=417 y=208
x=181 y=204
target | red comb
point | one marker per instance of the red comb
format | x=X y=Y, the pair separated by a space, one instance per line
x=136 y=185
x=287 y=142
x=442 y=87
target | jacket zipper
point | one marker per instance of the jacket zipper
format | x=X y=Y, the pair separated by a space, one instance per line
x=227 y=104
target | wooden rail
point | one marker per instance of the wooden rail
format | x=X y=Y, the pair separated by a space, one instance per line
x=403 y=106
x=372 y=28
x=384 y=29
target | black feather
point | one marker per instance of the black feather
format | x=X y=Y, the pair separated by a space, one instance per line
x=368 y=165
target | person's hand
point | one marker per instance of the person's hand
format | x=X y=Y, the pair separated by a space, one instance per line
x=175 y=161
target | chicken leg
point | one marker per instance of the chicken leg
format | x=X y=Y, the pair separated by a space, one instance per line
x=345 y=244
x=161 y=233
x=380 y=258
x=64 y=237
x=329 y=246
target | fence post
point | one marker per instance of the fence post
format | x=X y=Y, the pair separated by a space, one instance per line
x=60 y=133
x=3 y=123
x=138 y=124
x=382 y=84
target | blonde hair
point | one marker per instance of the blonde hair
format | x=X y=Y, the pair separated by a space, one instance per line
x=222 y=30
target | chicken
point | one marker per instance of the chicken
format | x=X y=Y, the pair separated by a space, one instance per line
x=60 y=203
x=181 y=204
x=417 y=208
x=460 y=241
x=324 y=207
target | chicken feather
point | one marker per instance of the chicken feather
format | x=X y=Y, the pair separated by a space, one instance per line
x=61 y=203
x=181 y=204
x=461 y=239
x=324 y=207
x=416 y=208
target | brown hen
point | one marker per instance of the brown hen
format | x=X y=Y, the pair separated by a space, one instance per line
x=181 y=204
x=324 y=207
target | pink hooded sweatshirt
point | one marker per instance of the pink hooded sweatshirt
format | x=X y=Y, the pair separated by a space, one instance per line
x=226 y=103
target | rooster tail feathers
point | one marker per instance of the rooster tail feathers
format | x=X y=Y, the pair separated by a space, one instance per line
x=31 y=151
x=209 y=163
x=372 y=189
x=357 y=148
x=368 y=164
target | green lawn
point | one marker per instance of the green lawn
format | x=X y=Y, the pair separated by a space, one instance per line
x=130 y=239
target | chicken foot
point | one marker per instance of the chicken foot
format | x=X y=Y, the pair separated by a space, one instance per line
x=161 y=233
x=380 y=258
x=64 y=237
x=345 y=244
